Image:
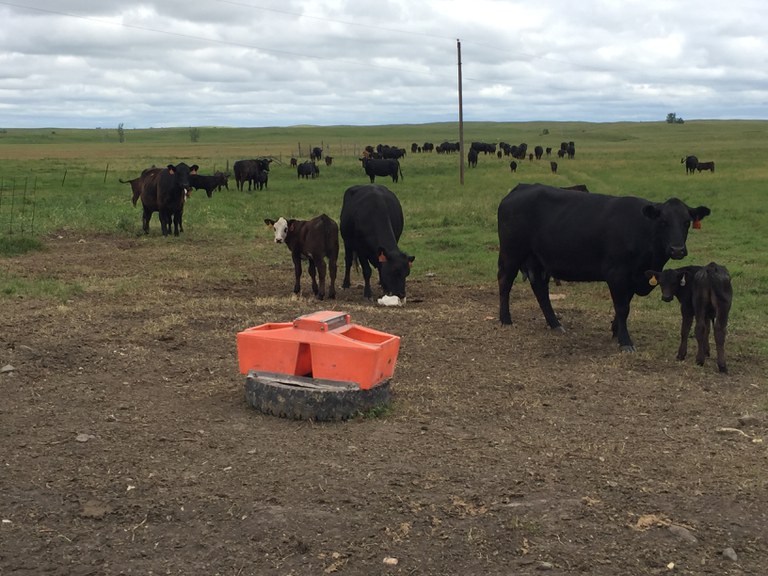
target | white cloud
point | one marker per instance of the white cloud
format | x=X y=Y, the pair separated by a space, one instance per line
x=282 y=62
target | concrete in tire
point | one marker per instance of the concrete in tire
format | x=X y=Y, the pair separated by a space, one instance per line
x=303 y=398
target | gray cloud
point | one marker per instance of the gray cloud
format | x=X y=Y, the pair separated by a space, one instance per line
x=77 y=63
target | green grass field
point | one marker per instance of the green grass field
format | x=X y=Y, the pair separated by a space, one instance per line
x=53 y=179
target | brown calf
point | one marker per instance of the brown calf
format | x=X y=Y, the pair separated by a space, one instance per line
x=705 y=293
x=315 y=240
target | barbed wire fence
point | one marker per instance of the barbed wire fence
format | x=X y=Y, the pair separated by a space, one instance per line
x=17 y=207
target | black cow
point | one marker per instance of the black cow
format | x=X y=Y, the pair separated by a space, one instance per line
x=315 y=240
x=248 y=170
x=705 y=293
x=307 y=169
x=138 y=183
x=551 y=232
x=371 y=224
x=316 y=153
x=208 y=183
x=513 y=166
x=690 y=164
x=472 y=158
x=553 y=167
x=328 y=160
x=294 y=162
x=483 y=147
x=382 y=167
x=539 y=152
x=705 y=166
x=165 y=191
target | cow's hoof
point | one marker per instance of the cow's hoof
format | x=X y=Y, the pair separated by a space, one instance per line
x=558 y=329
x=628 y=348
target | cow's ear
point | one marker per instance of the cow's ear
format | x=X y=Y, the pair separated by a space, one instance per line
x=651 y=274
x=382 y=257
x=269 y=222
x=698 y=213
x=291 y=225
x=171 y=168
x=651 y=211
x=410 y=260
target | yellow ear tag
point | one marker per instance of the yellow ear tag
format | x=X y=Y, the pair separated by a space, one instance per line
x=652 y=281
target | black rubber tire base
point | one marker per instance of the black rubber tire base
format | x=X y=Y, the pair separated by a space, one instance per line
x=301 y=398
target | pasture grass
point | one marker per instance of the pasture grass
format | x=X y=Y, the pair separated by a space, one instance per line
x=60 y=179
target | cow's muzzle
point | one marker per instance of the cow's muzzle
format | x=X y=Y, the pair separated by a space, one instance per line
x=678 y=252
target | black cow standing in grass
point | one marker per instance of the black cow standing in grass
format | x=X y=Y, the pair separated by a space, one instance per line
x=472 y=158
x=165 y=191
x=382 y=167
x=209 y=183
x=371 y=224
x=307 y=170
x=706 y=166
x=249 y=170
x=316 y=240
x=551 y=232
x=705 y=294
x=691 y=162
x=138 y=183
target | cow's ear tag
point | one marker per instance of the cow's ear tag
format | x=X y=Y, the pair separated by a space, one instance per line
x=697 y=224
x=652 y=280
x=682 y=281
x=382 y=257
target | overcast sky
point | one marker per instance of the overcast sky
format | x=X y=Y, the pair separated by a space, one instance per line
x=99 y=63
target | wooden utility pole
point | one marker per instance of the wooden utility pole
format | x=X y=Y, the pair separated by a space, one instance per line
x=461 y=118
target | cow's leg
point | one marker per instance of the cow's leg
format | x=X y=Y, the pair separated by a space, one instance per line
x=721 y=324
x=621 y=297
x=317 y=268
x=296 y=257
x=145 y=219
x=332 y=273
x=348 y=257
x=685 y=330
x=165 y=222
x=366 y=266
x=506 y=276
x=702 y=337
x=540 y=285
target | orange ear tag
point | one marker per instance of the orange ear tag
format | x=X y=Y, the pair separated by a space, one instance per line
x=382 y=258
x=652 y=281
x=697 y=224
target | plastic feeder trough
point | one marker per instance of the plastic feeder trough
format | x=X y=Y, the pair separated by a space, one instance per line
x=320 y=366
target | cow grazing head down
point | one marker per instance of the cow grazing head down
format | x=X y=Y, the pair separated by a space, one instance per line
x=672 y=220
x=394 y=268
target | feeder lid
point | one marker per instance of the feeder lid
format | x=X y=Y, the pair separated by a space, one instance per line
x=322 y=321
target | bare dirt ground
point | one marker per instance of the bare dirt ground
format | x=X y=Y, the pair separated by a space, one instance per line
x=127 y=446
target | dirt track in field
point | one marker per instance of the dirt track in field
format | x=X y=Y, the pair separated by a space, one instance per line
x=127 y=446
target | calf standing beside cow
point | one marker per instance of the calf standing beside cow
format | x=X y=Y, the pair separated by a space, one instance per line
x=705 y=294
x=371 y=225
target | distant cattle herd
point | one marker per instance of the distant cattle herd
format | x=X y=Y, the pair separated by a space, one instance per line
x=545 y=233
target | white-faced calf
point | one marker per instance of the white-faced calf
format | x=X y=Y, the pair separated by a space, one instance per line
x=315 y=240
x=705 y=293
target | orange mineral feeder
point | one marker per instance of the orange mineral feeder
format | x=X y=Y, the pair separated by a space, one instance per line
x=297 y=368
